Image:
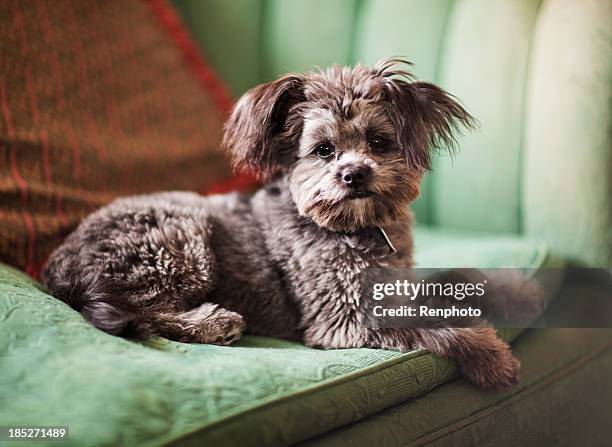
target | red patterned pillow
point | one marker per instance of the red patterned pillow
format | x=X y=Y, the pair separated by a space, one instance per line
x=97 y=99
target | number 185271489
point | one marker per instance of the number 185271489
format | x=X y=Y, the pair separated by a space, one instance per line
x=14 y=433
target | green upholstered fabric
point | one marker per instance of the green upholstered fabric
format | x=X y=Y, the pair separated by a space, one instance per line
x=59 y=370
x=478 y=250
x=567 y=193
x=536 y=73
x=564 y=399
x=418 y=36
x=300 y=35
x=483 y=62
x=230 y=32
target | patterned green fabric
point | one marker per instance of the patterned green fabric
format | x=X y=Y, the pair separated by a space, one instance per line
x=56 y=369
x=564 y=399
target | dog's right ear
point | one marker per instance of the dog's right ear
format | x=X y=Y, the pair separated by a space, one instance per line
x=257 y=134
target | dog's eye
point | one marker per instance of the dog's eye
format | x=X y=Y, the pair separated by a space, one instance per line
x=324 y=150
x=379 y=144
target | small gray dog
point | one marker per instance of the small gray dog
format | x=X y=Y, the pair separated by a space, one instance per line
x=343 y=152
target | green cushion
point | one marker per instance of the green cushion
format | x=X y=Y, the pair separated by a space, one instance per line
x=437 y=248
x=59 y=370
x=564 y=398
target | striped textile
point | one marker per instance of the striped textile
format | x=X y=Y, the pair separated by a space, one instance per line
x=98 y=99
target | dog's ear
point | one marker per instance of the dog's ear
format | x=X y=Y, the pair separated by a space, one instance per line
x=258 y=134
x=426 y=118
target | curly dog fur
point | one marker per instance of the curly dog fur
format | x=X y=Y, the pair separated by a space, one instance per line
x=343 y=152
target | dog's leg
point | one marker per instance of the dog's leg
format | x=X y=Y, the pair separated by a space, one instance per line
x=208 y=323
x=484 y=359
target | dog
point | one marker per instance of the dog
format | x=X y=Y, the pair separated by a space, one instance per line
x=342 y=152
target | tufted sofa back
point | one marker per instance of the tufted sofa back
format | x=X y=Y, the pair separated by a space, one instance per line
x=536 y=73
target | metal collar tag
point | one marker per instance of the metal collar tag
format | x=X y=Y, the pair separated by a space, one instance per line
x=387 y=240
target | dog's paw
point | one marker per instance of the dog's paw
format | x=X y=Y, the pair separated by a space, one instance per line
x=223 y=327
x=492 y=369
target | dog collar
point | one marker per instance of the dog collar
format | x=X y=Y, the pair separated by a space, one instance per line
x=387 y=240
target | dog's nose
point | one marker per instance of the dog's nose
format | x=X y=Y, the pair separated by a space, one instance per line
x=355 y=176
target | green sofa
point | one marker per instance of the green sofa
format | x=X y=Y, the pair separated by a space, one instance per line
x=531 y=188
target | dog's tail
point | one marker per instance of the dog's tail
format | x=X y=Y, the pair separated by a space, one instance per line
x=509 y=297
x=512 y=296
x=101 y=301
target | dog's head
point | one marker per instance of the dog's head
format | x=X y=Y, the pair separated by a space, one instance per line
x=353 y=143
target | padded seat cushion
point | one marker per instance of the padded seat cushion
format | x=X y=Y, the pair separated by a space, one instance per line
x=564 y=399
x=59 y=370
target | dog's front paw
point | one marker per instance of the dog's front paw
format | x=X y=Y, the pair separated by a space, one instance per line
x=494 y=368
x=223 y=327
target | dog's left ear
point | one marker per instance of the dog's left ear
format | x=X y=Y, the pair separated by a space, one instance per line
x=258 y=134
x=426 y=118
